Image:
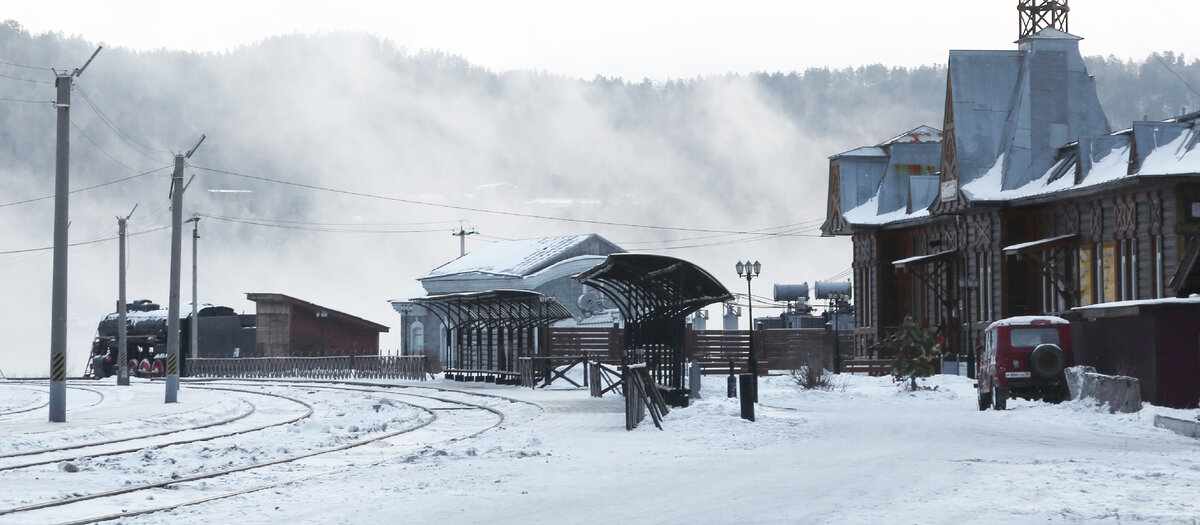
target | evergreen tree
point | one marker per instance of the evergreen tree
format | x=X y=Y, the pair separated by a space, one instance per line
x=915 y=352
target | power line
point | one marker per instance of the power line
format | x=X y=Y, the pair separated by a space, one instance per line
x=125 y=137
x=335 y=224
x=25 y=66
x=313 y=228
x=495 y=212
x=5 y=99
x=101 y=185
x=83 y=243
x=97 y=145
x=808 y=222
x=27 y=79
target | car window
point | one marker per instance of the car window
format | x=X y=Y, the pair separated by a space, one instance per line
x=1031 y=337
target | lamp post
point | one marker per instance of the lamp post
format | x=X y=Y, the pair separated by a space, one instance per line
x=751 y=270
x=836 y=302
x=322 y=315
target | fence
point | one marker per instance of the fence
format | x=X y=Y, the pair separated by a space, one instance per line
x=338 y=367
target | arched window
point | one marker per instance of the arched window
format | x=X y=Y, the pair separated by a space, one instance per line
x=416 y=338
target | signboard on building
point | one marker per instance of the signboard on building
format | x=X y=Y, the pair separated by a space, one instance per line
x=1110 y=271
x=949 y=190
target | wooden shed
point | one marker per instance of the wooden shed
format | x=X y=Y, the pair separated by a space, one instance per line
x=290 y=327
x=1156 y=341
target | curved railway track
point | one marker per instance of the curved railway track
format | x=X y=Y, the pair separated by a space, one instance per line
x=448 y=421
x=85 y=450
x=21 y=410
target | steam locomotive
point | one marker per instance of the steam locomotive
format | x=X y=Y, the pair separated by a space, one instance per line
x=222 y=332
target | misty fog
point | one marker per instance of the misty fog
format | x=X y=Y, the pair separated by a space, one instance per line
x=352 y=112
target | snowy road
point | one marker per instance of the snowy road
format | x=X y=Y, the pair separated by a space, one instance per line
x=868 y=454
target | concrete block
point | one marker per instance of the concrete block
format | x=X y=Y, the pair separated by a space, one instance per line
x=1075 y=379
x=1182 y=427
x=1120 y=393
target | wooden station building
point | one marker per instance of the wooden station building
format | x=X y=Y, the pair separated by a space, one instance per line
x=1026 y=202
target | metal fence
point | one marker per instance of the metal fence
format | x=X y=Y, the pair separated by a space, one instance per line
x=412 y=367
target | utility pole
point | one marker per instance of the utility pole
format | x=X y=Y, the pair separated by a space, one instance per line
x=177 y=189
x=462 y=238
x=58 y=293
x=194 y=347
x=122 y=342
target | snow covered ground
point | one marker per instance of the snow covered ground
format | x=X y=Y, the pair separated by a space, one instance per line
x=864 y=453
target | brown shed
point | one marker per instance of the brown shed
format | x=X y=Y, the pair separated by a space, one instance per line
x=1156 y=341
x=290 y=327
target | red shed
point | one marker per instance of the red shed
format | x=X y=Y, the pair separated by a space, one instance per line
x=289 y=327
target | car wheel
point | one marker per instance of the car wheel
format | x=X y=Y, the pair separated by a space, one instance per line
x=1000 y=398
x=985 y=400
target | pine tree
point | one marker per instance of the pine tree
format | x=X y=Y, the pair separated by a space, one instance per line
x=916 y=352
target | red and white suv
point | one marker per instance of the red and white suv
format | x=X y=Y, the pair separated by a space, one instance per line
x=1024 y=357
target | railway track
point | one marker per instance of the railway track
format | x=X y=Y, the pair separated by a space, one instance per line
x=449 y=418
x=140 y=442
x=24 y=384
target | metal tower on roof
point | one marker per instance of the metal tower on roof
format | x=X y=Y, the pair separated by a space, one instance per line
x=1037 y=15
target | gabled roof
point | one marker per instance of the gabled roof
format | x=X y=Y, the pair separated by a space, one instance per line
x=256 y=297
x=520 y=258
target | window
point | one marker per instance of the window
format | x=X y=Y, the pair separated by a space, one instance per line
x=1031 y=337
x=416 y=338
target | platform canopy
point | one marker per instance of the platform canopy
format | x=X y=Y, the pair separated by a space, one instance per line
x=647 y=287
x=494 y=309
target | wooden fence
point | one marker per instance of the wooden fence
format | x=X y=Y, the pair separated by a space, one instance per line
x=338 y=367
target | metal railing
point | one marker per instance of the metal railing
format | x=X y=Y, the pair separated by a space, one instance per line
x=412 y=367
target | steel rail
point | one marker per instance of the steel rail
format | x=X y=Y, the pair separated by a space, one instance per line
x=382 y=389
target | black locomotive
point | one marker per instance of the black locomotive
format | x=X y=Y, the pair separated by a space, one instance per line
x=222 y=332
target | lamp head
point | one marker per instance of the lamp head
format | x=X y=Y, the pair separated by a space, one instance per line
x=740 y=268
x=757 y=268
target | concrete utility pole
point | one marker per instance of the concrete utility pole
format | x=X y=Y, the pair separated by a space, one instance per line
x=462 y=238
x=194 y=348
x=122 y=343
x=58 y=292
x=177 y=189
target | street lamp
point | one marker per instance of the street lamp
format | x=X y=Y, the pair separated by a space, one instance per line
x=749 y=271
x=322 y=314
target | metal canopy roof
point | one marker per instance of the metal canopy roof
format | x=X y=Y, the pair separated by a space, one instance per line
x=922 y=259
x=1041 y=244
x=648 y=288
x=495 y=309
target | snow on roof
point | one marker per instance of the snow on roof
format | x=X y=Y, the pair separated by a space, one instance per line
x=1039 y=242
x=1194 y=299
x=1028 y=320
x=864 y=151
x=867 y=213
x=921 y=134
x=1176 y=157
x=512 y=258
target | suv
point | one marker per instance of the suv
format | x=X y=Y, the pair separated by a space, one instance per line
x=1024 y=357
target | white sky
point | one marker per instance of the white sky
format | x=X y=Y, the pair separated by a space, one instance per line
x=632 y=39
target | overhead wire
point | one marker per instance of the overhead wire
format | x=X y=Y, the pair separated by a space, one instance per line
x=335 y=224
x=484 y=210
x=109 y=183
x=6 y=99
x=83 y=243
x=26 y=79
x=311 y=228
x=25 y=66
x=102 y=150
x=125 y=137
x=801 y=223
